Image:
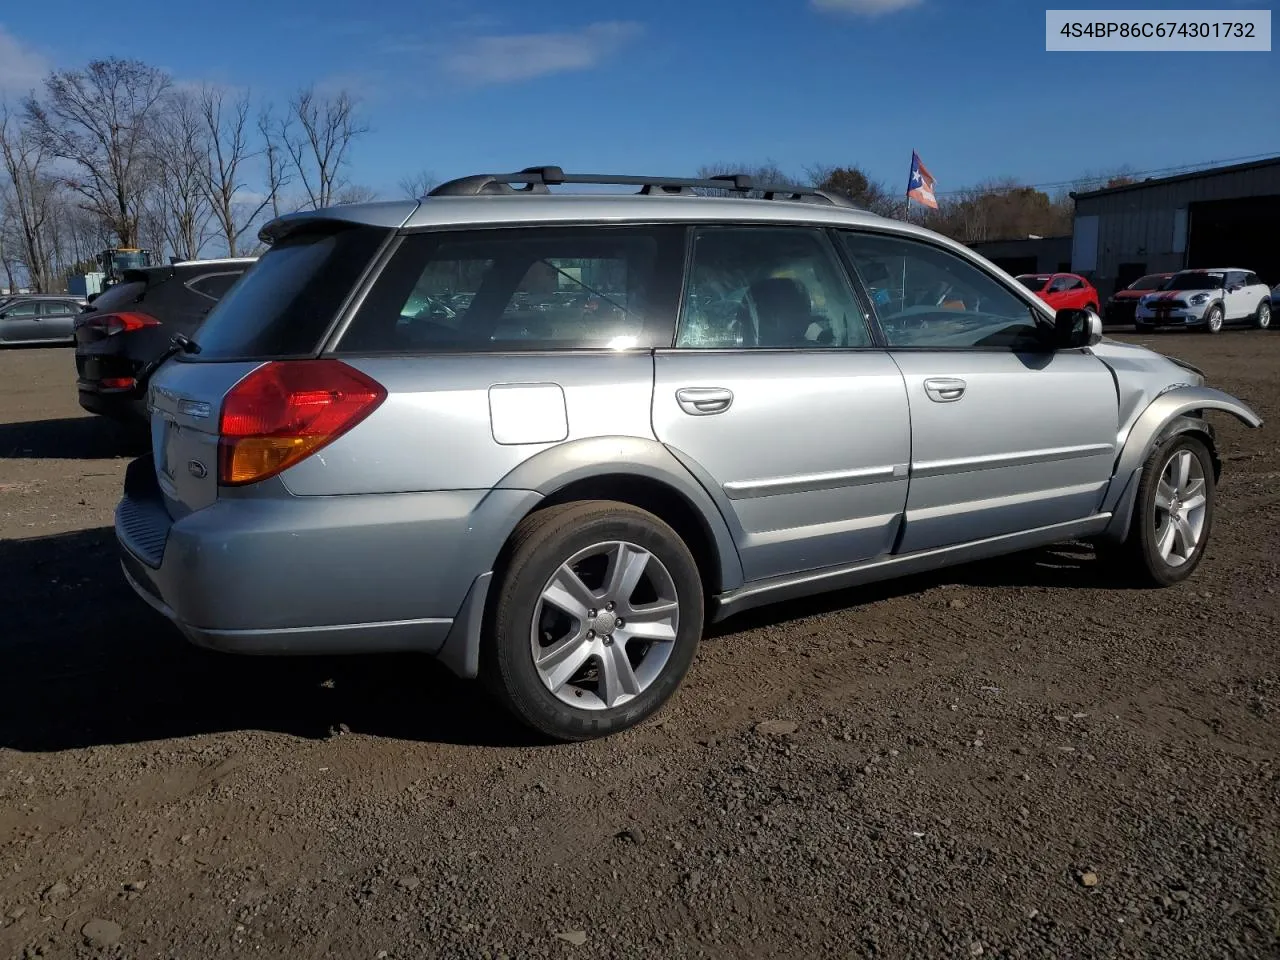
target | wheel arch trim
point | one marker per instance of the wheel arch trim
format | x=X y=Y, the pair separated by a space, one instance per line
x=1170 y=414
x=551 y=471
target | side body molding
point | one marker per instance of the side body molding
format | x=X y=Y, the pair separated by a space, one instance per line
x=1175 y=411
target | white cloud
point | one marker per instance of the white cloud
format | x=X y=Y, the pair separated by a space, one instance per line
x=507 y=59
x=21 y=68
x=866 y=8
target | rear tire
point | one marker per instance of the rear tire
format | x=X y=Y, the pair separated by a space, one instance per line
x=1262 y=319
x=1172 y=516
x=595 y=620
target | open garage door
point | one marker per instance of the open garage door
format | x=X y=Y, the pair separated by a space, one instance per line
x=1236 y=233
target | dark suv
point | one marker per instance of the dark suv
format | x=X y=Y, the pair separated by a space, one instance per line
x=130 y=325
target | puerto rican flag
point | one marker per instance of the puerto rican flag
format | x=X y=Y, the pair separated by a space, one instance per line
x=920 y=186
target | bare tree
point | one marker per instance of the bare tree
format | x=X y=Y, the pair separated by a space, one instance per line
x=317 y=134
x=31 y=198
x=228 y=147
x=7 y=259
x=768 y=173
x=418 y=184
x=274 y=158
x=100 y=120
x=355 y=194
x=178 y=202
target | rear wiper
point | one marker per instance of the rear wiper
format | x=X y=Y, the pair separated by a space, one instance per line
x=178 y=343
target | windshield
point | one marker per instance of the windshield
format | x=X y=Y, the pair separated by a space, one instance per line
x=1195 y=281
x=284 y=303
x=1153 y=282
x=1034 y=284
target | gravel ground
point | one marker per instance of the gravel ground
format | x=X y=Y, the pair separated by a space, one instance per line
x=1009 y=759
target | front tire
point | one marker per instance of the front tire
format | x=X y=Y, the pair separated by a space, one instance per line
x=1262 y=319
x=1213 y=319
x=595 y=621
x=1172 y=515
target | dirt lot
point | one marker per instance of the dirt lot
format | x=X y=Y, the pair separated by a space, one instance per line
x=1007 y=760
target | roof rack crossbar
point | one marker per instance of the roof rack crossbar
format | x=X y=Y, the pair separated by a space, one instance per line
x=537 y=180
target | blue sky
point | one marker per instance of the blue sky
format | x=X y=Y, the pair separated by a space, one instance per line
x=665 y=86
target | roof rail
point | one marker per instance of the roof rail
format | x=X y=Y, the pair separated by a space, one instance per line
x=538 y=180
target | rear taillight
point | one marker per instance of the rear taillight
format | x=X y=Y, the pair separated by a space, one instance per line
x=285 y=411
x=109 y=324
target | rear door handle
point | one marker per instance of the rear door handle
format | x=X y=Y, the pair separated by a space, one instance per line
x=944 y=389
x=704 y=401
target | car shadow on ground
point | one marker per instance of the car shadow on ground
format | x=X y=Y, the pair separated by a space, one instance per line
x=1063 y=566
x=71 y=438
x=87 y=663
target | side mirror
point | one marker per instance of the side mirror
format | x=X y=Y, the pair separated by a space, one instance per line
x=1076 y=328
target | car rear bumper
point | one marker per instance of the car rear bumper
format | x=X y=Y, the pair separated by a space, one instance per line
x=314 y=575
x=117 y=404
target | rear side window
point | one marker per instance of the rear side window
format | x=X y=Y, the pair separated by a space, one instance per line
x=214 y=285
x=768 y=287
x=283 y=305
x=528 y=288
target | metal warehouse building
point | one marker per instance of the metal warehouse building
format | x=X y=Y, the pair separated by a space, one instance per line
x=1220 y=217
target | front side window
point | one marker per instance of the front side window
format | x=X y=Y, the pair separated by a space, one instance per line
x=28 y=309
x=928 y=297
x=539 y=288
x=768 y=287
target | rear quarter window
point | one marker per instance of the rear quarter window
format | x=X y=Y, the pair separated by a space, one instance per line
x=283 y=305
x=526 y=288
x=214 y=285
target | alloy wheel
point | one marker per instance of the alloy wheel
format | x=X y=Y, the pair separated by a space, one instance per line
x=605 y=625
x=1181 y=499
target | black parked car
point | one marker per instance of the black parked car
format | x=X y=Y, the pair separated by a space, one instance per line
x=130 y=325
x=38 y=318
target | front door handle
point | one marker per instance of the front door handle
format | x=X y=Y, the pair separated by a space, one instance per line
x=704 y=401
x=944 y=389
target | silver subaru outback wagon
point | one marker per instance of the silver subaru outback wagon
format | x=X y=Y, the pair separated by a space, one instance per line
x=547 y=437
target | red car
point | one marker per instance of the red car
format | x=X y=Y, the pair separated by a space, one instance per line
x=1120 y=308
x=1061 y=290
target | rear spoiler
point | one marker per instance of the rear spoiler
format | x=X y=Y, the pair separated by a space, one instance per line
x=391 y=214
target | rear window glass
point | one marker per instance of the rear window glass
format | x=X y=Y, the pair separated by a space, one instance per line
x=118 y=296
x=284 y=303
x=538 y=288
